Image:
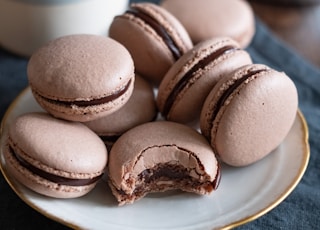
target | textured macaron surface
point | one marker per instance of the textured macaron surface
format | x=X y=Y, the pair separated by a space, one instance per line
x=81 y=77
x=204 y=19
x=67 y=149
x=140 y=108
x=80 y=67
x=161 y=142
x=164 y=24
x=189 y=81
x=153 y=36
x=249 y=113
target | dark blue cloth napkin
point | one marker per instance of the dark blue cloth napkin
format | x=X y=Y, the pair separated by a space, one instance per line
x=299 y=211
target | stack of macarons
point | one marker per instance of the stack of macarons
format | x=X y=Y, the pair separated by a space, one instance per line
x=158 y=35
x=89 y=90
x=215 y=105
x=244 y=110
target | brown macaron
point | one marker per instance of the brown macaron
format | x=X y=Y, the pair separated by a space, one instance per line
x=205 y=19
x=81 y=77
x=140 y=108
x=159 y=156
x=154 y=37
x=249 y=113
x=54 y=157
x=186 y=85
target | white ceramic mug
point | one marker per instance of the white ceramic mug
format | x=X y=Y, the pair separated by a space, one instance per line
x=25 y=25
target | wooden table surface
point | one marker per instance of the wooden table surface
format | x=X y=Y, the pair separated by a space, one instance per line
x=299 y=26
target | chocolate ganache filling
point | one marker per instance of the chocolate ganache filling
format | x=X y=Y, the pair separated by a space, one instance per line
x=99 y=101
x=183 y=82
x=51 y=177
x=230 y=90
x=178 y=175
x=160 y=30
x=175 y=173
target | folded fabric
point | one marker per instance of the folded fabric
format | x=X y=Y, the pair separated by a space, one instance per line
x=298 y=211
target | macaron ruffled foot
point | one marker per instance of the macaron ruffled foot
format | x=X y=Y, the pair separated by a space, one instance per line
x=249 y=113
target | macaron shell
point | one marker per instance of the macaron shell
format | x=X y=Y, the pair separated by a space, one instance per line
x=256 y=118
x=80 y=67
x=60 y=146
x=187 y=106
x=204 y=19
x=158 y=142
x=151 y=56
x=207 y=125
x=139 y=109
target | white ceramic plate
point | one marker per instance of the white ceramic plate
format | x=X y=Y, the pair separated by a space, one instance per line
x=244 y=193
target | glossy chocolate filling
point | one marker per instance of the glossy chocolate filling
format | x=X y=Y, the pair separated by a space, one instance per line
x=230 y=90
x=175 y=173
x=98 y=101
x=180 y=176
x=52 y=177
x=160 y=30
x=183 y=82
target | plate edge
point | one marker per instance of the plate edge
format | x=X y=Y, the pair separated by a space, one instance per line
x=243 y=221
x=291 y=187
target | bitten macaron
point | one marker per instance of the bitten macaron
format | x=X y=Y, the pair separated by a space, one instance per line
x=54 y=157
x=153 y=36
x=188 y=82
x=159 y=156
x=249 y=113
x=205 y=19
x=81 y=77
x=140 y=108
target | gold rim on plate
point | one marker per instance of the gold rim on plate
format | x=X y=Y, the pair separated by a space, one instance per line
x=277 y=201
x=290 y=188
